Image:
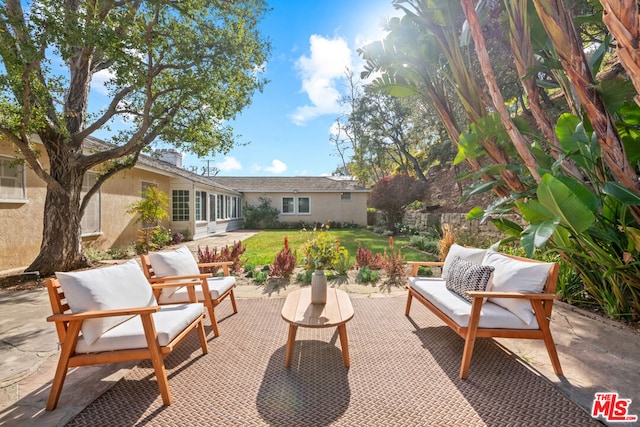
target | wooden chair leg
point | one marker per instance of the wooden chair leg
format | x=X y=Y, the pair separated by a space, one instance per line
x=232 y=295
x=214 y=322
x=63 y=365
x=344 y=344
x=543 y=323
x=408 y=307
x=156 y=358
x=470 y=340
x=202 y=335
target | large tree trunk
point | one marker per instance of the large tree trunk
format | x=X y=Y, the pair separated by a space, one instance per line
x=60 y=249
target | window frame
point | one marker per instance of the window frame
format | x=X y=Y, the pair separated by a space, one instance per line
x=180 y=211
x=94 y=207
x=299 y=211
x=5 y=162
x=200 y=208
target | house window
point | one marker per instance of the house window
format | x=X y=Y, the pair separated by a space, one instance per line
x=12 y=182
x=303 y=205
x=180 y=205
x=220 y=207
x=287 y=205
x=201 y=206
x=90 y=222
x=239 y=207
x=345 y=196
x=212 y=207
x=227 y=207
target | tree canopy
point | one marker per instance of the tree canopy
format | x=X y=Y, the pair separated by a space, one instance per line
x=175 y=72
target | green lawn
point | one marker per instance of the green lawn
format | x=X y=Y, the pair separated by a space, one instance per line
x=263 y=247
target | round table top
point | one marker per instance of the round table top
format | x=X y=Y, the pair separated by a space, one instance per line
x=298 y=309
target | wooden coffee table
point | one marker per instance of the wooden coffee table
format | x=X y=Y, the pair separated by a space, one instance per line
x=298 y=311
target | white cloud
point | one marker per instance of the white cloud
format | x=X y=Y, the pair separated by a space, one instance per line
x=276 y=167
x=229 y=164
x=100 y=79
x=321 y=73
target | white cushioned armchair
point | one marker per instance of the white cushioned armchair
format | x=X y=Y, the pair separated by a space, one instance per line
x=109 y=315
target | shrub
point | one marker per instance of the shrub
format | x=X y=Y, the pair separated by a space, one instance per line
x=262 y=216
x=249 y=270
x=261 y=277
x=394 y=265
x=365 y=275
x=321 y=251
x=305 y=276
x=424 y=243
x=226 y=253
x=425 y=271
x=392 y=194
x=366 y=258
x=284 y=263
x=149 y=211
x=343 y=264
x=177 y=238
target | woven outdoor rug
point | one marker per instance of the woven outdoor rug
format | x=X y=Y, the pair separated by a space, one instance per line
x=404 y=372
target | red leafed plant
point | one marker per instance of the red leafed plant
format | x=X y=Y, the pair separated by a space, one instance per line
x=226 y=253
x=366 y=258
x=284 y=263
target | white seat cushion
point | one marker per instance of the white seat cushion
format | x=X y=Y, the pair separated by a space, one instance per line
x=170 y=321
x=511 y=275
x=217 y=287
x=459 y=310
x=114 y=287
x=178 y=262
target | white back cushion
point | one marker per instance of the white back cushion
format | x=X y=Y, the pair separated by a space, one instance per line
x=108 y=288
x=179 y=262
x=511 y=275
x=474 y=255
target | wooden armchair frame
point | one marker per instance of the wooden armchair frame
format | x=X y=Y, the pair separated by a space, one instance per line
x=198 y=279
x=68 y=328
x=541 y=303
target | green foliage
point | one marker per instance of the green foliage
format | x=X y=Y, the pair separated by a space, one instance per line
x=425 y=243
x=262 y=216
x=149 y=211
x=365 y=275
x=95 y=255
x=305 y=276
x=322 y=251
x=343 y=264
x=177 y=72
x=261 y=277
x=425 y=271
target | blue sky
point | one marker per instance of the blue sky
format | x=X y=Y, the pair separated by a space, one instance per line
x=288 y=125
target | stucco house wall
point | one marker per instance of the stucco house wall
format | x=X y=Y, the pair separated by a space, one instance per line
x=324 y=206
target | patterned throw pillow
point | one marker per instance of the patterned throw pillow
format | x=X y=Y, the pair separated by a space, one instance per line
x=467 y=276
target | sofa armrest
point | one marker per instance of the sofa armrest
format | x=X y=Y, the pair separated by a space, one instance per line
x=520 y=295
x=415 y=265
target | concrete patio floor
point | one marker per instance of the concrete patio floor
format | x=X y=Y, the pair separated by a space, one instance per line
x=597 y=355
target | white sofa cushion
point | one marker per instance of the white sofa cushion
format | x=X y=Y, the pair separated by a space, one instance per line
x=512 y=275
x=217 y=287
x=459 y=310
x=474 y=255
x=119 y=286
x=467 y=276
x=178 y=262
x=169 y=322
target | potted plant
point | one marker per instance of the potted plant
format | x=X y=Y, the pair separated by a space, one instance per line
x=321 y=253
